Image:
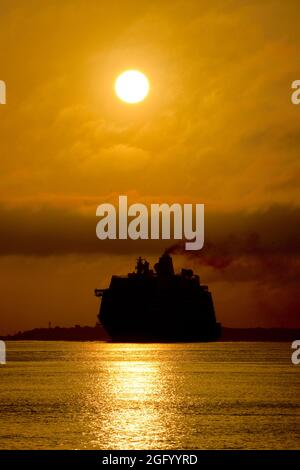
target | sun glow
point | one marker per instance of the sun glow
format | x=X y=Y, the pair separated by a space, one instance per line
x=132 y=86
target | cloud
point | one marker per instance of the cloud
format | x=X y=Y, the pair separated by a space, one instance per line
x=68 y=227
x=256 y=246
x=218 y=120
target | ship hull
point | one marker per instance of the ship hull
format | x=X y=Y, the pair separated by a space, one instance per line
x=158 y=310
x=143 y=337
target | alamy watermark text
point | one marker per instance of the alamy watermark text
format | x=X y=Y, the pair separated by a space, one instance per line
x=137 y=222
x=2 y=92
x=2 y=353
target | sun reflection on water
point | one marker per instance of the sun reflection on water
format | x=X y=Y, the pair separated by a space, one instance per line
x=144 y=387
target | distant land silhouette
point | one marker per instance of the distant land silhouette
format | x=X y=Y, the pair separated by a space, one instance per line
x=97 y=333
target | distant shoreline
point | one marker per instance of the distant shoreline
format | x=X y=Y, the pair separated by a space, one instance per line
x=97 y=333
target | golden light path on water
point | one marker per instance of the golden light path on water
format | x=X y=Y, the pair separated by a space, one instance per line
x=143 y=386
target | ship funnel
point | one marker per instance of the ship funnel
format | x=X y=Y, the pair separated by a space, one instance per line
x=164 y=267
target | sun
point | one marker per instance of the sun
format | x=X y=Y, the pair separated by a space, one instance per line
x=132 y=86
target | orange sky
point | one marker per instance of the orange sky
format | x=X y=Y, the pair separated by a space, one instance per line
x=217 y=128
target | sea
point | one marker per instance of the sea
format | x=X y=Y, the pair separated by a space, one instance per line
x=98 y=395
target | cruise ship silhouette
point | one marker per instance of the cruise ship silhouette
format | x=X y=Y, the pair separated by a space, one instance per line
x=158 y=305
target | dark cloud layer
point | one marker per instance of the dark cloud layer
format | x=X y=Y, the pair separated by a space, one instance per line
x=267 y=237
x=250 y=246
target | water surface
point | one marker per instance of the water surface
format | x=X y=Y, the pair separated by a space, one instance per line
x=60 y=395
